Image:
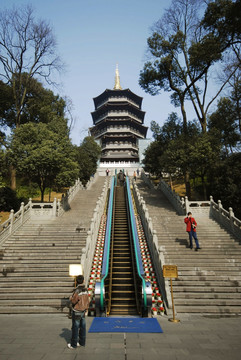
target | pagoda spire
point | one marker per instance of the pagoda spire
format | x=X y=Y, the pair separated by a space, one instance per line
x=117 y=79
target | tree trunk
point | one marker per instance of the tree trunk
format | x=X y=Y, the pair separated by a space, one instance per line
x=187 y=184
x=204 y=188
x=42 y=194
x=12 y=177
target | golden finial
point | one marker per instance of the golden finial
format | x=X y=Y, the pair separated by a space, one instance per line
x=117 y=79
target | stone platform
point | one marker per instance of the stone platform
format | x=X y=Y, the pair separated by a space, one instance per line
x=45 y=337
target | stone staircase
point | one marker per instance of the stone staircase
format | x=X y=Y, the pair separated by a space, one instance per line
x=209 y=280
x=34 y=261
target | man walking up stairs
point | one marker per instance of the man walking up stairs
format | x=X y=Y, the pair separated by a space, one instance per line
x=209 y=280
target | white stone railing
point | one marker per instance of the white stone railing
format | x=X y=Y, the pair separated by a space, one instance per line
x=14 y=221
x=202 y=208
x=157 y=253
x=177 y=202
x=89 y=249
x=225 y=218
x=41 y=210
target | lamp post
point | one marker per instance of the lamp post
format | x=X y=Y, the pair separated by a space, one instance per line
x=75 y=270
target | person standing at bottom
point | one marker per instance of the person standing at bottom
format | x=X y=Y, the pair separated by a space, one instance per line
x=80 y=305
x=191 y=229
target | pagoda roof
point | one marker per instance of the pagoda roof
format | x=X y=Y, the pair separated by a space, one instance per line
x=108 y=93
x=128 y=121
x=121 y=107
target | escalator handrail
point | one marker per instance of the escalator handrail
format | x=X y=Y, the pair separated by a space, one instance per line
x=139 y=265
x=106 y=256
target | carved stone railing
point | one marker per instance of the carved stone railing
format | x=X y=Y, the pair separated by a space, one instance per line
x=89 y=249
x=14 y=221
x=225 y=218
x=157 y=253
x=37 y=210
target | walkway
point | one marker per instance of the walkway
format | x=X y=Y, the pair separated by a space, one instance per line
x=45 y=337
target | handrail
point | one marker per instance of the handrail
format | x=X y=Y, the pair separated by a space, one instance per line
x=111 y=256
x=139 y=265
x=105 y=266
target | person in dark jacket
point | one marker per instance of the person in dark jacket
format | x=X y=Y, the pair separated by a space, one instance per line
x=191 y=229
x=80 y=305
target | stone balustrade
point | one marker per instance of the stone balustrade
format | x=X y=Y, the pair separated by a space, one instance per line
x=40 y=210
x=203 y=208
x=15 y=220
x=157 y=253
x=89 y=249
x=225 y=218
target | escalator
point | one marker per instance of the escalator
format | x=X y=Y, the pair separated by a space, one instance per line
x=122 y=289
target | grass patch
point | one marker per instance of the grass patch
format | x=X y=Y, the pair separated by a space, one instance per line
x=4 y=215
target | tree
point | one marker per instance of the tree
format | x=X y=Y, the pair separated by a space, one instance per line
x=43 y=156
x=170 y=130
x=27 y=50
x=224 y=125
x=226 y=183
x=88 y=154
x=223 y=18
x=151 y=159
x=182 y=58
x=236 y=98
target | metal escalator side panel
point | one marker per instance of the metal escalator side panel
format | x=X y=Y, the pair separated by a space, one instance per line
x=146 y=287
x=105 y=266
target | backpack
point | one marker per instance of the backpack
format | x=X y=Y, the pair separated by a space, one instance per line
x=80 y=300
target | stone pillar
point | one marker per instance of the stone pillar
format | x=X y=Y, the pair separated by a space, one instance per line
x=11 y=221
x=22 y=212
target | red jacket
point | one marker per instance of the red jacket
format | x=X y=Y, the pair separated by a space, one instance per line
x=189 y=222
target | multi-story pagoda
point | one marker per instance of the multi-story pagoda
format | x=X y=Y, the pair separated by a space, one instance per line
x=118 y=126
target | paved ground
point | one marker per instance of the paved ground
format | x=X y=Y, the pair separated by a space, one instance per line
x=45 y=337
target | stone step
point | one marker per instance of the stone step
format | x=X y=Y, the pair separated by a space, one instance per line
x=50 y=283
x=34 y=279
x=44 y=253
x=5 y=309
x=207 y=295
x=33 y=295
x=208 y=289
x=201 y=255
x=208 y=309
x=46 y=257
x=34 y=267
x=206 y=283
x=203 y=301
x=41 y=290
x=17 y=275
x=228 y=272
x=48 y=262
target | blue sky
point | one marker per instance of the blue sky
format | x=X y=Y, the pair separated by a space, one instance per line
x=92 y=37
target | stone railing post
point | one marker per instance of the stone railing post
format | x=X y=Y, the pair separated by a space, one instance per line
x=55 y=207
x=11 y=217
x=22 y=211
x=220 y=207
x=231 y=218
x=186 y=204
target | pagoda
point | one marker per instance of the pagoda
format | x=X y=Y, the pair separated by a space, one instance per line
x=118 y=126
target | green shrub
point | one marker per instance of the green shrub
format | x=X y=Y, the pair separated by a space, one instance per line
x=8 y=199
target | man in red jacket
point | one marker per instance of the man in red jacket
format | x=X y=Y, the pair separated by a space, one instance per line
x=191 y=229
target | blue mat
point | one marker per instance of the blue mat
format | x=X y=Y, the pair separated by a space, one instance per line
x=134 y=325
